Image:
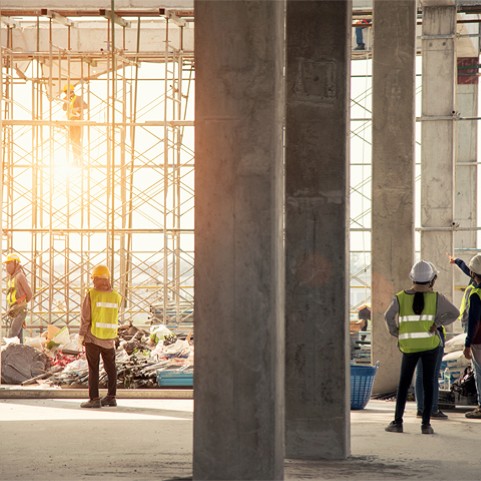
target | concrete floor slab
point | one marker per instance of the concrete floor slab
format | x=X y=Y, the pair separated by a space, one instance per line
x=151 y=439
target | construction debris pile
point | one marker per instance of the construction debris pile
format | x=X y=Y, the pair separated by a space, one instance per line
x=54 y=359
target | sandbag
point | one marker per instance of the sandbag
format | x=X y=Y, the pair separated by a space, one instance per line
x=456 y=343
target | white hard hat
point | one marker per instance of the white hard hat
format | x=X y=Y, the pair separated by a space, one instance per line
x=422 y=271
x=436 y=272
x=475 y=264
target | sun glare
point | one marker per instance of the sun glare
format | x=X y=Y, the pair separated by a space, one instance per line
x=64 y=165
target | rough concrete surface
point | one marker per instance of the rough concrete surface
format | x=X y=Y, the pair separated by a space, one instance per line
x=151 y=439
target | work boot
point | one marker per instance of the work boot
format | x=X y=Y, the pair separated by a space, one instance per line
x=394 y=427
x=108 y=401
x=93 y=403
x=361 y=46
x=427 y=429
x=476 y=414
x=439 y=415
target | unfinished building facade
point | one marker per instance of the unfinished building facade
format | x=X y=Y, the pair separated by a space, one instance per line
x=111 y=183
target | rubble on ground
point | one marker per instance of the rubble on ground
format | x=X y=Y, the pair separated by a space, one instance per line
x=53 y=359
x=20 y=363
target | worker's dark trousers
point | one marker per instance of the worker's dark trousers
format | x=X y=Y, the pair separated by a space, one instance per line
x=16 y=328
x=93 y=353
x=408 y=365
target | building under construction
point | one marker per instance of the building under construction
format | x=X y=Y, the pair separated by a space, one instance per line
x=113 y=185
x=125 y=196
x=279 y=208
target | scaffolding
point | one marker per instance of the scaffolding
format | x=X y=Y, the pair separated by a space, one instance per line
x=128 y=199
x=124 y=197
x=465 y=238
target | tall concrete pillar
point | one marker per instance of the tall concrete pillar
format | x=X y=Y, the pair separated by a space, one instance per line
x=438 y=137
x=317 y=354
x=393 y=163
x=239 y=267
x=465 y=207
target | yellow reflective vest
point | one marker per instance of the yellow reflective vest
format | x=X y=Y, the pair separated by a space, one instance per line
x=414 y=334
x=464 y=308
x=105 y=313
x=12 y=290
x=73 y=111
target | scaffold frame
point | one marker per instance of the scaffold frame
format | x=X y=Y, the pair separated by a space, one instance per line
x=127 y=200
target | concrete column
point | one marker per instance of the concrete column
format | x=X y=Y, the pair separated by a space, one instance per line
x=438 y=140
x=392 y=172
x=465 y=199
x=317 y=348
x=239 y=268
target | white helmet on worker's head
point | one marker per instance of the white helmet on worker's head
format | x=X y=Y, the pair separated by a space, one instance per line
x=423 y=272
x=475 y=265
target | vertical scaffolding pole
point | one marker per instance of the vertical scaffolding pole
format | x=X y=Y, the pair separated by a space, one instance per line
x=2 y=178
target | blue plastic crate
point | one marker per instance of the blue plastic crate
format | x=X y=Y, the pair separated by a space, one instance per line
x=362 y=380
x=175 y=378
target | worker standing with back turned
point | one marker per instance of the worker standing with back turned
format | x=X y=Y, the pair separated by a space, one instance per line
x=414 y=318
x=98 y=331
x=18 y=295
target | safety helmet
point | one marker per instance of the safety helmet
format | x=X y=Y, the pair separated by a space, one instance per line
x=422 y=271
x=12 y=257
x=68 y=87
x=434 y=268
x=475 y=264
x=101 y=271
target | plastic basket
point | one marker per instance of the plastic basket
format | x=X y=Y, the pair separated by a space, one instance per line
x=362 y=380
x=175 y=378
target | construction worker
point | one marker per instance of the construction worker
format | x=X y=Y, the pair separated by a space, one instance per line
x=472 y=344
x=18 y=295
x=74 y=105
x=414 y=318
x=464 y=308
x=364 y=316
x=360 y=26
x=98 y=331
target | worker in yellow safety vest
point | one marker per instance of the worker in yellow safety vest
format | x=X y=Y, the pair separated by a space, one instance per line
x=414 y=318
x=74 y=105
x=472 y=344
x=464 y=307
x=98 y=332
x=18 y=295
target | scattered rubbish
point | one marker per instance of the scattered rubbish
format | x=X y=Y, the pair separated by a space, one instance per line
x=142 y=357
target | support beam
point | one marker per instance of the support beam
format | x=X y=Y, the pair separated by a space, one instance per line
x=392 y=172
x=317 y=352
x=180 y=22
x=239 y=270
x=56 y=17
x=438 y=137
x=9 y=22
x=110 y=15
x=466 y=169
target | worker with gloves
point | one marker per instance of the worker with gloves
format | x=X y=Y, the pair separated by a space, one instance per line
x=414 y=318
x=98 y=331
x=18 y=295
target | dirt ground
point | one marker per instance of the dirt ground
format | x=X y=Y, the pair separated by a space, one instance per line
x=151 y=439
